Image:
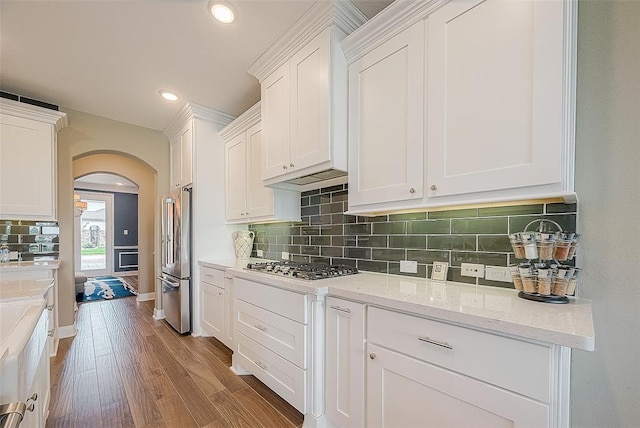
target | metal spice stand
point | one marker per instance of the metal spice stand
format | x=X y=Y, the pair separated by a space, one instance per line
x=540 y=245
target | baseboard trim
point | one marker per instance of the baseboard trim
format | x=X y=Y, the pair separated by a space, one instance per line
x=126 y=273
x=143 y=297
x=65 y=331
x=158 y=314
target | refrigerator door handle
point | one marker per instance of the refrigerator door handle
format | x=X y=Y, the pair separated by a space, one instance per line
x=169 y=283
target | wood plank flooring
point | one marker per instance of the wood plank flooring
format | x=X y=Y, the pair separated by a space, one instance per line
x=125 y=369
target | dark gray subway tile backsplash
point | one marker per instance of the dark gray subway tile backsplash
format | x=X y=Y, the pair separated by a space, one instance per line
x=378 y=244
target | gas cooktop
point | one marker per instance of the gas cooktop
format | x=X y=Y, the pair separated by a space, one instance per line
x=302 y=270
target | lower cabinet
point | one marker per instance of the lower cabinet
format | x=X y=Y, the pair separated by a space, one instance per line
x=345 y=363
x=272 y=339
x=216 y=299
x=415 y=372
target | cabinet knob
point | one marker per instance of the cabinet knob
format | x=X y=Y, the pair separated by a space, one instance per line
x=34 y=397
x=49 y=307
x=412 y=190
x=434 y=187
x=291 y=165
x=372 y=355
x=50 y=333
x=284 y=167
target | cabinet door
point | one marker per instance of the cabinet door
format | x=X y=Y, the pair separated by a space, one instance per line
x=213 y=310
x=345 y=362
x=186 y=156
x=176 y=163
x=236 y=182
x=259 y=197
x=276 y=119
x=405 y=392
x=27 y=169
x=386 y=121
x=310 y=91
x=495 y=96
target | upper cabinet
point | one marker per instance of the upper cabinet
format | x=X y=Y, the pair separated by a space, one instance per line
x=247 y=199
x=28 y=178
x=182 y=157
x=303 y=79
x=463 y=103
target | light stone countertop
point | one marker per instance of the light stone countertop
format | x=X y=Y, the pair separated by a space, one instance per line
x=28 y=266
x=491 y=308
x=24 y=289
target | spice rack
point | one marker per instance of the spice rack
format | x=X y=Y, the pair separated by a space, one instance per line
x=547 y=280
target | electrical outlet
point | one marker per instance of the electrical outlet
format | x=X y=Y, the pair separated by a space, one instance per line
x=285 y=255
x=408 y=266
x=497 y=273
x=473 y=270
x=260 y=253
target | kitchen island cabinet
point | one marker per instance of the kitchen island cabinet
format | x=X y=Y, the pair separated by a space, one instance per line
x=28 y=177
x=483 y=95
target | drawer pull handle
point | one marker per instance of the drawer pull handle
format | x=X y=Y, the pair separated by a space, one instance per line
x=262 y=365
x=261 y=328
x=50 y=333
x=338 y=308
x=372 y=355
x=435 y=342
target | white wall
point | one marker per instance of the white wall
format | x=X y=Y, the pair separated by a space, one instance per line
x=605 y=384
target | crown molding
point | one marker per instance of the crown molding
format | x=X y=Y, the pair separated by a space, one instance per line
x=324 y=13
x=58 y=119
x=195 y=111
x=392 y=20
x=242 y=123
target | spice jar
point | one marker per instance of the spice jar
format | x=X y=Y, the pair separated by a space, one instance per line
x=516 y=244
x=573 y=282
x=517 y=282
x=529 y=243
x=545 y=242
x=529 y=283
x=559 y=287
x=573 y=246
x=562 y=245
x=524 y=269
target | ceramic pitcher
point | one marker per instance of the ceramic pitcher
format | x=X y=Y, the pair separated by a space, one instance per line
x=243 y=243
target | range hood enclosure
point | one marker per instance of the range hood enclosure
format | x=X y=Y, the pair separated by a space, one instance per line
x=303 y=79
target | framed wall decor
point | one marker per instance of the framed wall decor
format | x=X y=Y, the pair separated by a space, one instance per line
x=439 y=271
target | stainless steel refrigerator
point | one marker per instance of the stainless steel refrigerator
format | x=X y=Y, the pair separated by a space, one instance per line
x=176 y=259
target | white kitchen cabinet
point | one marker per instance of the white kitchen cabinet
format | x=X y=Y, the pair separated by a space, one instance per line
x=490 y=104
x=247 y=199
x=271 y=338
x=229 y=314
x=407 y=392
x=28 y=178
x=495 y=97
x=303 y=80
x=345 y=363
x=422 y=372
x=386 y=115
x=181 y=152
x=212 y=301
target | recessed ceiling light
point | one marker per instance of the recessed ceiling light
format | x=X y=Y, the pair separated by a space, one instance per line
x=168 y=95
x=222 y=11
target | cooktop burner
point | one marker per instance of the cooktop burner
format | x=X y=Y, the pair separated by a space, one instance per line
x=302 y=270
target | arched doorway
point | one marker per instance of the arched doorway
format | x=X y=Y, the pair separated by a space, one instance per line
x=144 y=176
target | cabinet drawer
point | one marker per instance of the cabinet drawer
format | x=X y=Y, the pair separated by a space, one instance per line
x=283 y=302
x=212 y=276
x=281 y=335
x=284 y=378
x=509 y=363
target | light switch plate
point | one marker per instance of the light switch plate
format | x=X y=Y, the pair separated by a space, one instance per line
x=125 y=231
x=472 y=269
x=260 y=253
x=285 y=255
x=408 y=266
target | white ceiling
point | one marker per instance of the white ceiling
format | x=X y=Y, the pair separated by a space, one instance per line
x=110 y=58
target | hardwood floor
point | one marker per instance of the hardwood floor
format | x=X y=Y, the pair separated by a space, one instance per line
x=131 y=281
x=125 y=369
